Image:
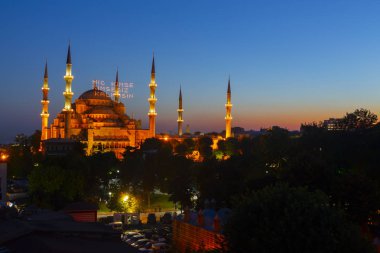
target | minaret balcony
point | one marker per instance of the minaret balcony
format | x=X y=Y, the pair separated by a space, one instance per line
x=68 y=77
x=45 y=101
x=45 y=88
x=228 y=105
x=65 y=109
x=152 y=113
x=179 y=110
x=45 y=115
x=228 y=118
x=152 y=99
x=179 y=120
x=68 y=93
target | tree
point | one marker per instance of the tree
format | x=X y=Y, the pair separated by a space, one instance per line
x=54 y=187
x=190 y=144
x=204 y=146
x=34 y=141
x=284 y=219
x=20 y=162
x=359 y=195
x=180 y=181
x=229 y=146
x=311 y=169
x=102 y=170
x=181 y=149
x=145 y=169
x=272 y=148
x=359 y=119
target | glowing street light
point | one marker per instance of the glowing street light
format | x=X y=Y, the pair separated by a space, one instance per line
x=3 y=157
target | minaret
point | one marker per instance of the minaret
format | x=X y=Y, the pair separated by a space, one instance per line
x=228 y=111
x=45 y=105
x=180 y=111
x=152 y=102
x=116 y=94
x=68 y=94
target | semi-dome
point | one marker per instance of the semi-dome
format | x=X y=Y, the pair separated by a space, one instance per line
x=94 y=94
x=101 y=110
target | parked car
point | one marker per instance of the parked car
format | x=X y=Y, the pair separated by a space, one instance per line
x=117 y=225
x=147 y=232
x=139 y=243
x=134 y=239
x=128 y=235
x=152 y=218
x=133 y=220
x=160 y=247
x=158 y=238
x=148 y=245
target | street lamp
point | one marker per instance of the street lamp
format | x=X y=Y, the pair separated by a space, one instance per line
x=3 y=157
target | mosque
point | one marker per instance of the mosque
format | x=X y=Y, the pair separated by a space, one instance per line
x=100 y=122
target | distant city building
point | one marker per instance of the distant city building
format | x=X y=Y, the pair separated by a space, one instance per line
x=333 y=124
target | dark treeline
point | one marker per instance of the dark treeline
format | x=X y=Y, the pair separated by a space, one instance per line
x=339 y=170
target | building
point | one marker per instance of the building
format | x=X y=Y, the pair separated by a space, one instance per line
x=97 y=120
x=100 y=121
x=333 y=124
x=82 y=211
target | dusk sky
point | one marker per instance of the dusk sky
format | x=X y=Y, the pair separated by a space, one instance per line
x=290 y=61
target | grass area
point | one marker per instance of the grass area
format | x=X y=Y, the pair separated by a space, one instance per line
x=103 y=207
x=160 y=201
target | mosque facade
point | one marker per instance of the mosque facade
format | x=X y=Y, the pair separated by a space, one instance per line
x=100 y=121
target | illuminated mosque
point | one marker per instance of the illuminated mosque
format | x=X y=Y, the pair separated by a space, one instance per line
x=100 y=122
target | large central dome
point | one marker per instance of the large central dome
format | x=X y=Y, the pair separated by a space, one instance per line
x=94 y=94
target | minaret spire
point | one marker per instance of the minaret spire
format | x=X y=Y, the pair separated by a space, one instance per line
x=229 y=86
x=152 y=101
x=116 y=94
x=68 y=94
x=46 y=70
x=153 y=71
x=180 y=111
x=228 y=105
x=68 y=60
x=45 y=105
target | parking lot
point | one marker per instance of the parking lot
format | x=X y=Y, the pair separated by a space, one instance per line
x=154 y=236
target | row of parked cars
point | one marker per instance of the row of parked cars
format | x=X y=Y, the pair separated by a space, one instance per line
x=149 y=240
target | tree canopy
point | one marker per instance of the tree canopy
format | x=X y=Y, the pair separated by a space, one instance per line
x=285 y=219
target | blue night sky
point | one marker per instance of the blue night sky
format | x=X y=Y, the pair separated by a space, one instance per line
x=290 y=61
